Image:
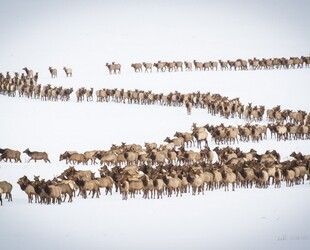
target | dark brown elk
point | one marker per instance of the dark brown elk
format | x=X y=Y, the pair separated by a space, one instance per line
x=35 y=155
x=10 y=154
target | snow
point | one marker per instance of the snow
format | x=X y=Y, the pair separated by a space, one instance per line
x=86 y=35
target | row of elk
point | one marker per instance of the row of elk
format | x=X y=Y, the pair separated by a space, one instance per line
x=214 y=103
x=14 y=155
x=172 y=147
x=29 y=75
x=277 y=115
x=234 y=169
x=255 y=133
x=162 y=66
x=53 y=71
x=173 y=150
x=239 y=64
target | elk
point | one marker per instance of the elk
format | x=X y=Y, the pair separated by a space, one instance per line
x=72 y=173
x=91 y=185
x=53 y=192
x=200 y=134
x=188 y=66
x=147 y=66
x=114 y=67
x=124 y=189
x=173 y=184
x=80 y=94
x=53 y=72
x=29 y=72
x=6 y=188
x=37 y=155
x=137 y=67
x=89 y=94
x=28 y=188
x=68 y=71
x=189 y=106
x=10 y=154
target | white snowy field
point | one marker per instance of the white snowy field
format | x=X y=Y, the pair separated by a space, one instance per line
x=87 y=34
x=244 y=219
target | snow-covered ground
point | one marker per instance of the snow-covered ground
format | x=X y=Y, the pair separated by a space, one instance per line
x=85 y=35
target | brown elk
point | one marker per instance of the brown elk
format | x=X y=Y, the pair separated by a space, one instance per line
x=37 y=155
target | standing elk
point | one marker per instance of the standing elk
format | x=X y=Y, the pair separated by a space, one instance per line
x=89 y=94
x=114 y=67
x=35 y=155
x=10 y=154
x=6 y=188
x=188 y=66
x=29 y=72
x=147 y=66
x=53 y=72
x=137 y=67
x=68 y=71
x=28 y=188
x=189 y=107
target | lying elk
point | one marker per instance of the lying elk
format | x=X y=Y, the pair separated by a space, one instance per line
x=37 y=155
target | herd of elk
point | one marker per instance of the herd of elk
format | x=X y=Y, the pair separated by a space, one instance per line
x=230 y=171
x=238 y=64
